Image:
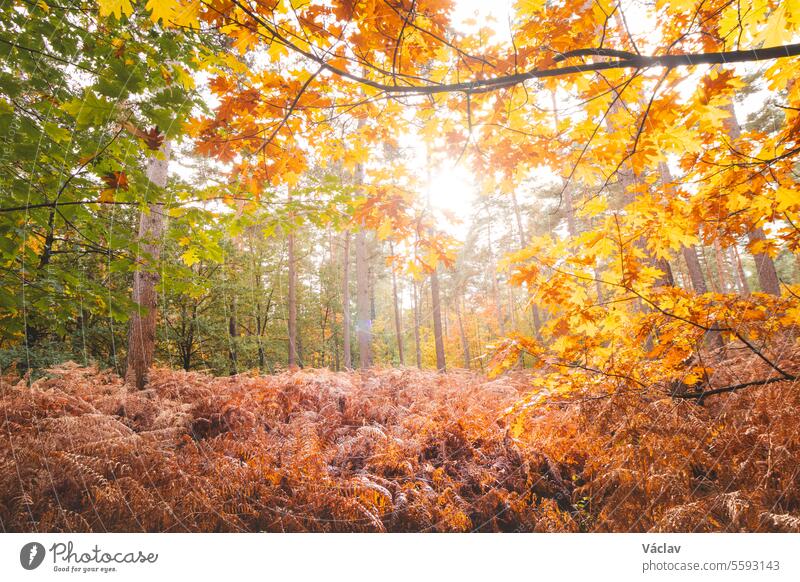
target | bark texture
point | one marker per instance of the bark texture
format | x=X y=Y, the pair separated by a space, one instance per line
x=142 y=325
x=347 y=357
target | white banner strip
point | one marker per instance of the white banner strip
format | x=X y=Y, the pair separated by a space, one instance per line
x=408 y=557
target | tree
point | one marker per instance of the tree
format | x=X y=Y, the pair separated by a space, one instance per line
x=291 y=318
x=765 y=267
x=142 y=326
x=348 y=363
x=363 y=311
x=398 y=328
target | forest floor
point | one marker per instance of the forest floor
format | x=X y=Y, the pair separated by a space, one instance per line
x=390 y=450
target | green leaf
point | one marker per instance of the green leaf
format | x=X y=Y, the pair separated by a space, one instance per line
x=91 y=111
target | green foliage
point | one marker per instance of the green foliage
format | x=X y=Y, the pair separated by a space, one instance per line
x=75 y=98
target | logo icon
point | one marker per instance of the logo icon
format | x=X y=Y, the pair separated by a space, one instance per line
x=31 y=555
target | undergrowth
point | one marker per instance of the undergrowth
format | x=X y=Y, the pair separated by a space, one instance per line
x=392 y=450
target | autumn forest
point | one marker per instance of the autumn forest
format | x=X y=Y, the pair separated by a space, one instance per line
x=399 y=266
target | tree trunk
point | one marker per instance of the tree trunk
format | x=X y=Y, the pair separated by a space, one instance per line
x=436 y=309
x=572 y=228
x=667 y=279
x=233 y=334
x=417 y=347
x=712 y=282
x=292 y=300
x=537 y=321
x=498 y=310
x=398 y=328
x=299 y=350
x=333 y=293
x=464 y=342
x=745 y=286
x=736 y=283
x=363 y=321
x=142 y=326
x=695 y=269
x=722 y=270
x=347 y=354
x=512 y=315
x=713 y=338
x=765 y=266
x=445 y=318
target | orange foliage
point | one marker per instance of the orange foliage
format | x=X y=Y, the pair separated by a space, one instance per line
x=399 y=450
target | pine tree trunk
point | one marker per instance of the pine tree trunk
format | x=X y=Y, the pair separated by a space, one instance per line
x=498 y=309
x=363 y=321
x=436 y=309
x=667 y=279
x=464 y=342
x=299 y=350
x=537 y=321
x=398 y=328
x=722 y=271
x=346 y=353
x=735 y=280
x=572 y=227
x=142 y=326
x=695 y=269
x=233 y=334
x=512 y=315
x=713 y=338
x=292 y=300
x=712 y=282
x=417 y=347
x=689 y=253
x=436 y=306
x=765 y=266
x=445 y=318
x=745 y=286
x=332 y=294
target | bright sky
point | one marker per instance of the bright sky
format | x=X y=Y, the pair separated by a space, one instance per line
x=453 y=187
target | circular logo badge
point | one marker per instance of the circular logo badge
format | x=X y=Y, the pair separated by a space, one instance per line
x=31 y=555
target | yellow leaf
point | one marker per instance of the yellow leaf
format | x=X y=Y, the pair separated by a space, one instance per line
x=517 y=426
x=787 y=198
x=384 y=230
x=596 y=205
x=161 y=10
x=277 y=50
x=190 y=257
x=529 y=7
x=115 y=7
x=777 y=31
x=187 y=13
